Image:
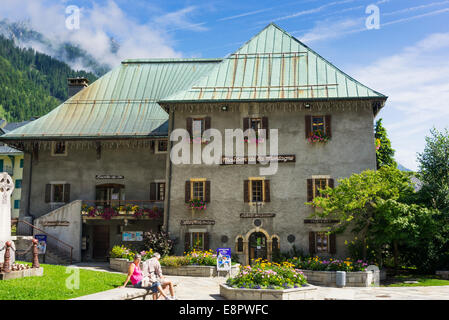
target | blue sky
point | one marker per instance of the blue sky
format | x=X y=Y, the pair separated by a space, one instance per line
x=406 y=59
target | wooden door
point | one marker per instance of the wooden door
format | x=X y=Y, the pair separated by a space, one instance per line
x=100 y=242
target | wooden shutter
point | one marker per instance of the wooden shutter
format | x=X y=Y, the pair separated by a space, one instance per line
x=311 y=242
x=187 y=191
x=330 y=183
x=327 y=123
x=206 y=240
x=265 y=125
x=246 y=191
x=189 y=127
x=187 y=242
x=48 y=193
x=67 y=193
x=308 y=126
x=245 y=124
x=267 y=190
x=206 y=123
x=309 y=190
x=207 y=191
x=332 y=243
x=153 y=191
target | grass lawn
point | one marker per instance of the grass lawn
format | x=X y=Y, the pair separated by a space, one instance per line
x=423 y=281
x=52 y=285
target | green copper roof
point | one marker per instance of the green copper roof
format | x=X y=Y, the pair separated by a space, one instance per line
x=273 y=65
x=122 y=103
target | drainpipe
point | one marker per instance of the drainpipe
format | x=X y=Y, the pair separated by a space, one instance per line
x=167 y=210
x=29 y=186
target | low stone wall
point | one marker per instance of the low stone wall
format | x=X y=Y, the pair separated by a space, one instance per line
x=199 y=271
x=32 y=272
x=353 y=279
x=302 y=293
x=119 y=294
x=122 y=265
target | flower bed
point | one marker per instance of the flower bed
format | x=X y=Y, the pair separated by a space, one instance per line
x=267 y=275
x=323 y=271
x=319 y=264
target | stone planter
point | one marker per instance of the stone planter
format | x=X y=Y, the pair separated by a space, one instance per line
x=199 y=271
x=353 y=279
x=32 y=272
x=306 y=292
x=119 y=264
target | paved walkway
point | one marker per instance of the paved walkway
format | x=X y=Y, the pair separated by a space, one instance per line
x=198 y=288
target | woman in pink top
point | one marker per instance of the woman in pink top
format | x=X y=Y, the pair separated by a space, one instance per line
x=136 y=277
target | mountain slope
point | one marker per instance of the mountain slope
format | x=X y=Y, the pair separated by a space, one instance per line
x=31 y=83
x=25 y=37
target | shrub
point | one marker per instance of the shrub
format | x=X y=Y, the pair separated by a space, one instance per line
x=317 y=264
x=202 y=258
x=267 y=275
x=174 y=261
x=158 y=242
x=122 y=252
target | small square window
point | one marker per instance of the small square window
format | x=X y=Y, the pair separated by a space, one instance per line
x=18 y=183
x=21 y=163
x=16 y=204
x=58 y=193
x=197 y=241
x=59 y=148
x=161 y=146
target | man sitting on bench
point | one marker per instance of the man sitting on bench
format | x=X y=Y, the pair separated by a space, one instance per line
x=152 y=271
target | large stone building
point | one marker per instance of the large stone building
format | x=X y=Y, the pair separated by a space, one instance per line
x=108 y=146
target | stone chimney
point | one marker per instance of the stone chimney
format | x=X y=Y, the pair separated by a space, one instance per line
x=75 y=85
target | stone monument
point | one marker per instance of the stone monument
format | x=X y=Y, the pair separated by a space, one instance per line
x=6 y=189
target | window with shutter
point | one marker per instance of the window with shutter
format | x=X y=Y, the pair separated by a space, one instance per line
x=322 y=242
x=246 y=191
x=187 y=239
x=187 y=191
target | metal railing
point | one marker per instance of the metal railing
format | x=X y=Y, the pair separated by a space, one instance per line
x=57 y=246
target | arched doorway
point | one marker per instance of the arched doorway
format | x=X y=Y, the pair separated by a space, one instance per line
x=257 y=246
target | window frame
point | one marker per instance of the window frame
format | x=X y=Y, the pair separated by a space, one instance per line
x=202 y=120
x=158 y=190
x=198 y=180
x=322 y=235
x=53 y=184
x=53 y=146
x=201 y=234
x=314 y=189
x=250 y=189
x=324 y=123
x=158 y=150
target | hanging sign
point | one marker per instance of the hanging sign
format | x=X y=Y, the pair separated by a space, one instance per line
x=223 y=259
x=41 y=243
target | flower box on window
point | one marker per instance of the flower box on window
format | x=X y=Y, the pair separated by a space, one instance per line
x=197 y=204
x=318 y=136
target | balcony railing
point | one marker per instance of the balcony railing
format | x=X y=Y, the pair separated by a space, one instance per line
x=108 y=209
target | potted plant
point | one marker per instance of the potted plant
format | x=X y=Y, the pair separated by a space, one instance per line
x=318 y=136
x=197 y=204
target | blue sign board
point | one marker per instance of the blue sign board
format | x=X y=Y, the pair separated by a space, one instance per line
x=42 y=243
x=224 y=259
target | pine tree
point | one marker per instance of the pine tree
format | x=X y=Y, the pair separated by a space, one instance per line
x=384 y=152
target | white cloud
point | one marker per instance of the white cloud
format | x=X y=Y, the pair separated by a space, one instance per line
x=101 y=22
x=417 y=83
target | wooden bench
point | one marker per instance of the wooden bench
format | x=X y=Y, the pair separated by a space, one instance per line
x=128 y=293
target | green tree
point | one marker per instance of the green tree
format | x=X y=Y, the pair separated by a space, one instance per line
x=384 y=152
x=434 y=170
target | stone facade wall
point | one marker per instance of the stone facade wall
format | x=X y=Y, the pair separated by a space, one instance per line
x=351 y=150
x=139 y=165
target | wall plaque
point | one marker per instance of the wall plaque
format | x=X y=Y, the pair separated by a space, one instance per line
x=321 y=221
x=108 y=176
x=56 y=224
x=197 y=222
x=257 y=215
x=282 y=158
